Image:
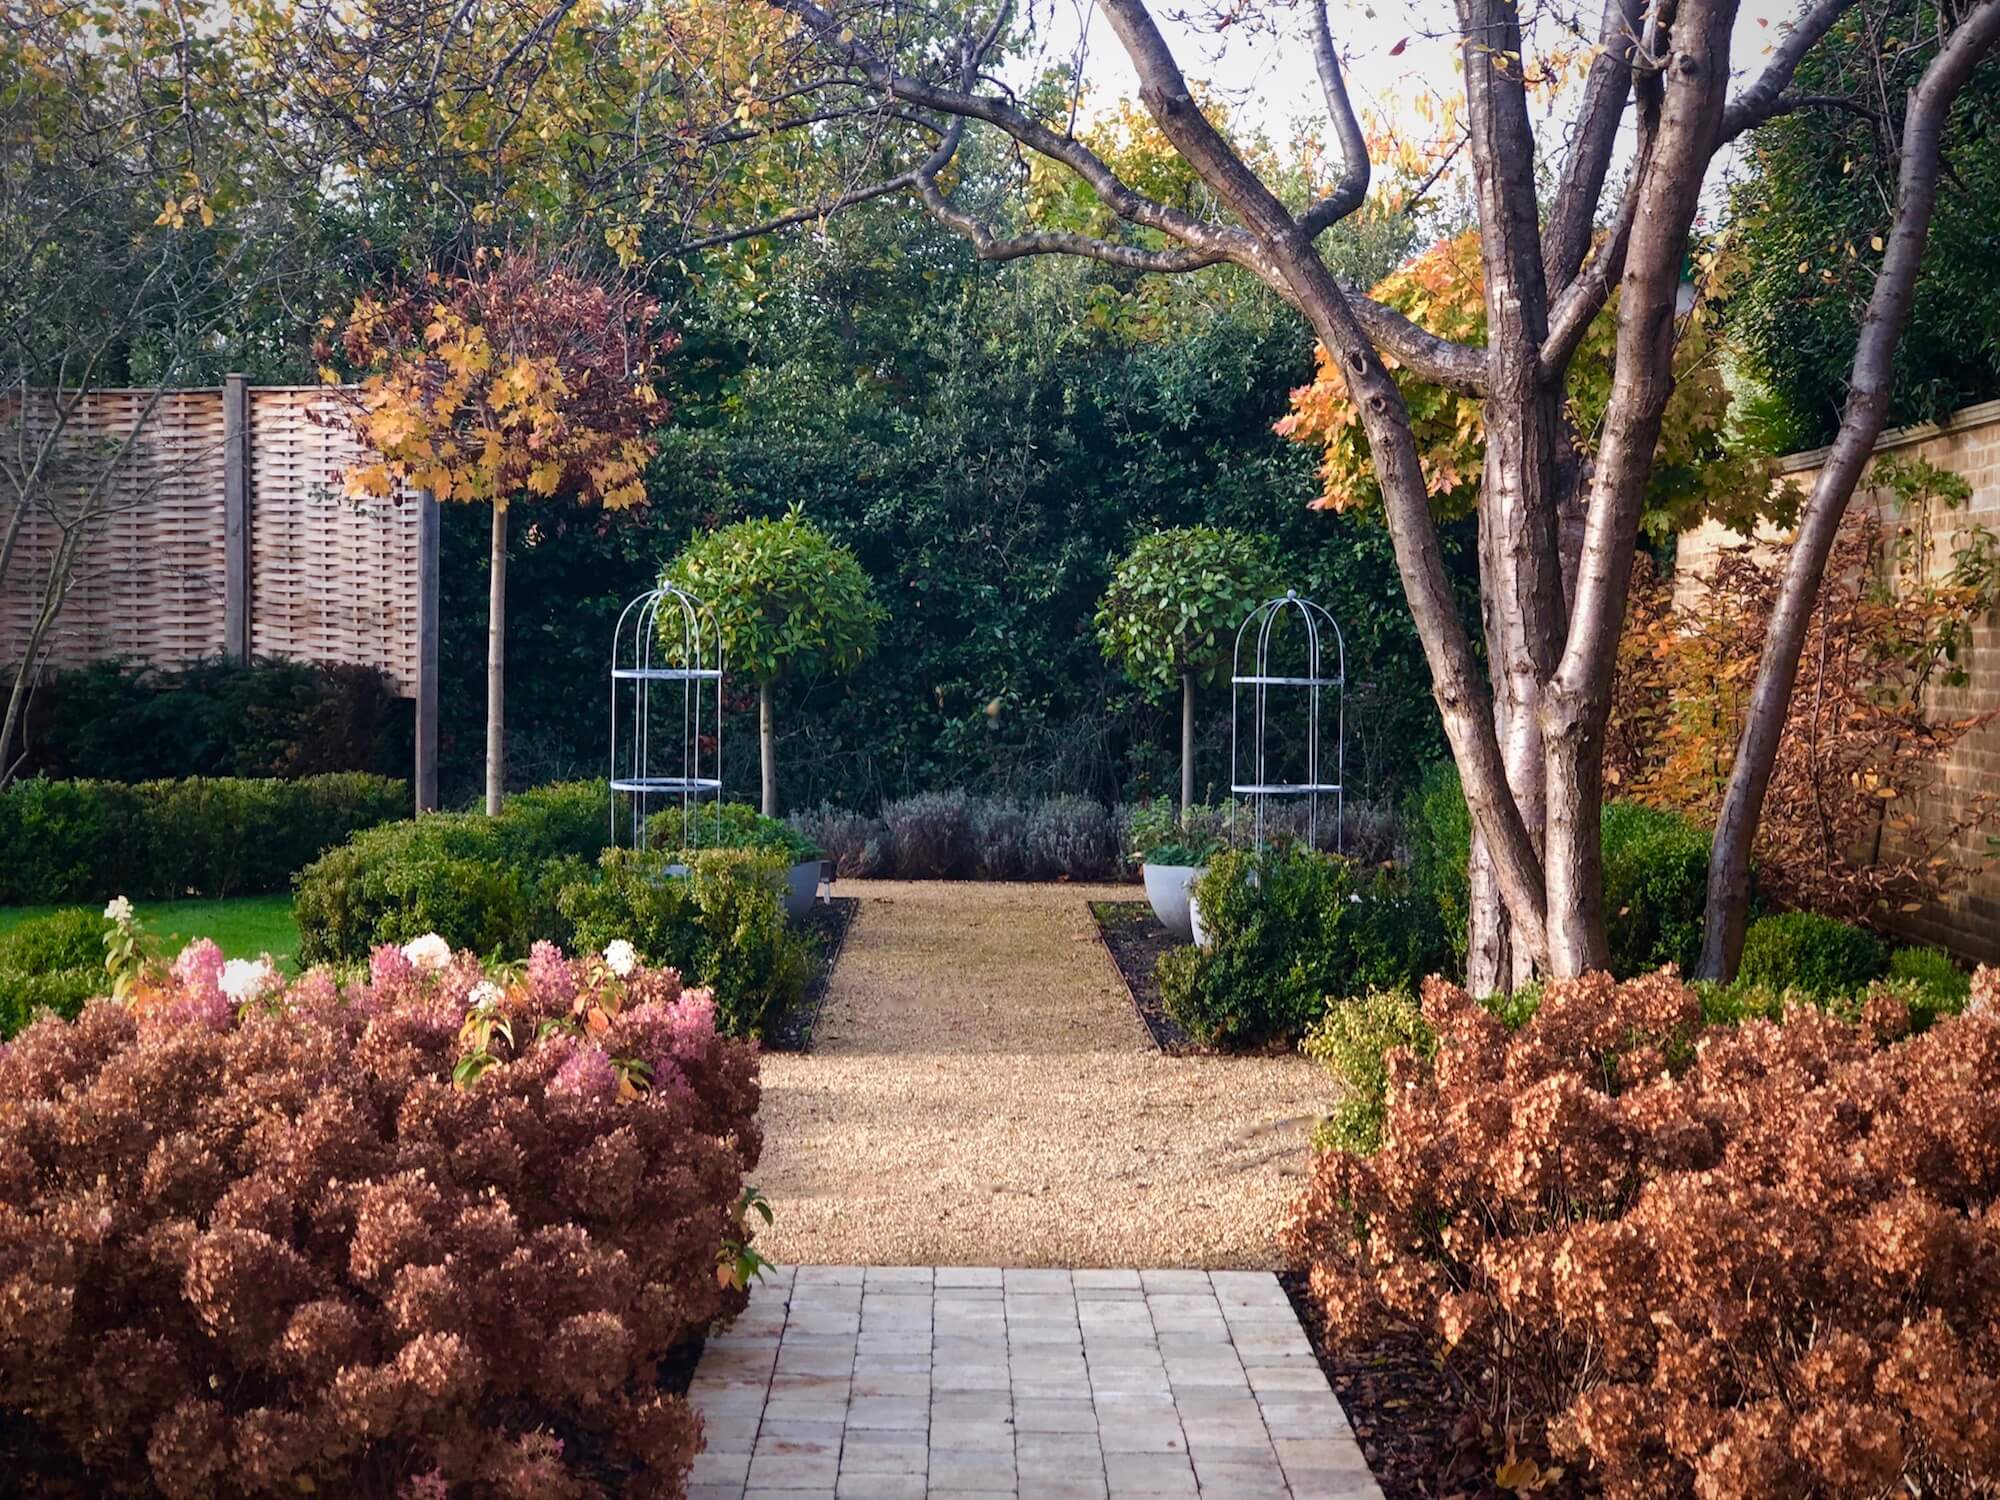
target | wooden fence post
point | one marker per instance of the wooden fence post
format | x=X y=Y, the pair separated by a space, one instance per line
x=427 y=651
x=236 y=517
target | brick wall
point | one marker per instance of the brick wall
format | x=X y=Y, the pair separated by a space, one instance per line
x=1968 y=921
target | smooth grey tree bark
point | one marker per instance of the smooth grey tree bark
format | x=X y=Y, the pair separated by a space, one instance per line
x=767 y=747
x=1187 y=745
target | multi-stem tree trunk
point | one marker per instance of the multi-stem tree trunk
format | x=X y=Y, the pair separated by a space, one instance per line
x=1187 y=744
x=767 y=746
x=496 y=664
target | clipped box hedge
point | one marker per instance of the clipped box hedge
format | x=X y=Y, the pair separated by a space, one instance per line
x=539 y=872
x=205 y=836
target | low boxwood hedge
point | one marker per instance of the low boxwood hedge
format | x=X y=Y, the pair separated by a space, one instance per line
x=1284 y=930
x=166 y=840
x=55 y=961
x=539 y=872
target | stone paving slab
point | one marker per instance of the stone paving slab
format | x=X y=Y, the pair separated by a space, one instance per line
x=880 y=1382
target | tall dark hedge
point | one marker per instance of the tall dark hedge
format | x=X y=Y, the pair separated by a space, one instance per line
x=126 y=721
x=1820 y=186
x=989 y=440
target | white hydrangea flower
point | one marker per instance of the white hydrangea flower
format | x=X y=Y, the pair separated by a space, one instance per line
x=622 y=957
x=243 y=979
x=428 y=953
x=485 y=995
x=119 y=910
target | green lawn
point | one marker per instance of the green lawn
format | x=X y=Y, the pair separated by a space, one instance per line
x=245 y=926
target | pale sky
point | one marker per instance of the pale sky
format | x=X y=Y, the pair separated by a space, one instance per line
x=1265 y=71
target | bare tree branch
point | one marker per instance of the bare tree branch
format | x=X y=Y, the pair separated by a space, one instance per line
x=1352 y=188
x=1751 y=107
x=1567 y=238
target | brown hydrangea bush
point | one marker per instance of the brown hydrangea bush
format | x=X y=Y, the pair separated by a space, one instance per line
x=1732 y=1262
x=429 y=1235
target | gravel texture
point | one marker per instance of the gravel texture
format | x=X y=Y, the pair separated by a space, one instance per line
x=981 y=1093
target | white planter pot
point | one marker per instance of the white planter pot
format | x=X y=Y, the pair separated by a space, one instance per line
x=1170 y=888
x=803 y=890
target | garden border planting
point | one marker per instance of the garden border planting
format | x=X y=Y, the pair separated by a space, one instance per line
x=1134 y=940
x=826 y=929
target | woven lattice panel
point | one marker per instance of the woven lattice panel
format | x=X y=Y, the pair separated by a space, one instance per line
x=330 y=579
x=149 y=582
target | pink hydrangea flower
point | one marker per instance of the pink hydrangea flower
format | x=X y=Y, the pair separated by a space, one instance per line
x=198 y=969
x=390 y=973
x=550 y=974
x=586 y=1073
x=314 y=989
x=202 y=1007
x=692 y=1018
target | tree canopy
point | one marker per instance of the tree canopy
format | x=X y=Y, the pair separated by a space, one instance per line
x=1177 y=599
x=785 y=596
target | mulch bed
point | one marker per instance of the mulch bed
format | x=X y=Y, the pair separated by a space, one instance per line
x=1405 y=1415
x=827 y=928
x=1135 y=940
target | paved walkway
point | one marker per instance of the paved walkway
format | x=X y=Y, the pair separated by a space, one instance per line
x=982 y=1093
x=912 y=1381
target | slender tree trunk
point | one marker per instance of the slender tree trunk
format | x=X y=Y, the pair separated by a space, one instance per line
x=1187 y=745
x=1520 y=570
x=767 y=746
x=1861 y=422
x=1489 y=959
x=1577 y=701
x=55 y=586
x=496 y=665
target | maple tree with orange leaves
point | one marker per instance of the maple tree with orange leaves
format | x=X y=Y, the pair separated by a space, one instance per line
x=523 y=378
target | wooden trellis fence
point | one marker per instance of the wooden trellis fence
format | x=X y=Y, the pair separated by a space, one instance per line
x=225 y=533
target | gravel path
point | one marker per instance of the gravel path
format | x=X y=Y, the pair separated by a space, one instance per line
x=982 y=1094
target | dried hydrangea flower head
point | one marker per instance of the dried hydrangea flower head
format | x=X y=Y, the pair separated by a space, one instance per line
x=1753 y=1261
x=249 y=1251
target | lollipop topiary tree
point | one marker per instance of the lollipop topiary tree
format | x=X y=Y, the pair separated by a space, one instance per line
x=1172 y=611
x=786 y=597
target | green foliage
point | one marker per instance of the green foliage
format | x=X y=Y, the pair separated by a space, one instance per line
x=56 y=960
x=1655 y=888
x=1655 y=874
x=488 y=884
x=729 y=825
x=1933 y=971
x=1353 y=1041
x=122 y=721
x=988 y=440
x=206 y=836
x=1177 y=600
x=1156 y=834
x=69 y=938
x=1285 y=930
x=1817 y=955
x=720 y=924
x=23 y=992
x=1808 y=219
x=786 y=597
x=1439 y=827
x=540 y=871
